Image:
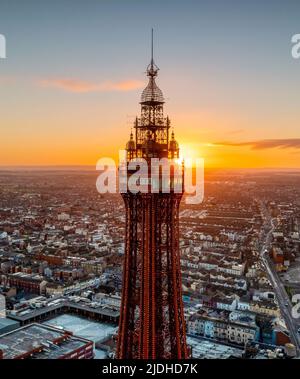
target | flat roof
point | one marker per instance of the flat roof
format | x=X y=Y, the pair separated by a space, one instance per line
x=212 y=350
x=37 y=336
x=4 y=322
x=54 y=352
x=103 y=310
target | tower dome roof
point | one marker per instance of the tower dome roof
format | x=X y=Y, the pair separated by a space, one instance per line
x=130 y=145
x=173 y=143
x=152 y=93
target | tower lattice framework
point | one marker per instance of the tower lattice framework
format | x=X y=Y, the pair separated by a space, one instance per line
x=152 y=324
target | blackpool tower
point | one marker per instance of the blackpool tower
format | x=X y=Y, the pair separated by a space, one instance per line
x=152 y=324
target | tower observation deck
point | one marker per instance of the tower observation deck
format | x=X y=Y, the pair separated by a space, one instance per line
x=152 y=324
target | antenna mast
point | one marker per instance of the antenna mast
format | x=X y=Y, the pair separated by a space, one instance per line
x=152 y=60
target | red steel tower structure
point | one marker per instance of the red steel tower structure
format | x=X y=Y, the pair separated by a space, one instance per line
x=152 y=324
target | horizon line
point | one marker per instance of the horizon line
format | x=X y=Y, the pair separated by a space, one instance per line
x=90 y=166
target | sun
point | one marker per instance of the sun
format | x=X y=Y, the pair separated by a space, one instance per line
x=190 y=154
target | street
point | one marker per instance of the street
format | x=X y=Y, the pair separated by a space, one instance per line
x=281 y=294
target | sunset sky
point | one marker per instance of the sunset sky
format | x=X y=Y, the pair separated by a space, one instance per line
x=70 y=86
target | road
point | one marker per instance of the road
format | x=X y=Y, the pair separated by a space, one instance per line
x=282 y=297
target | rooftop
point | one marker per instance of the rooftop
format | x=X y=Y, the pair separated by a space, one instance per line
x=39 y=340
x=209 y=350
x=4 y=322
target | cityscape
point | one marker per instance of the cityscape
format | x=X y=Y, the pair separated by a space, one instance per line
x=61 y=268
x=149 y=207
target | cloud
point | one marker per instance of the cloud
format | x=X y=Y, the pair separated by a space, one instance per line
x=83 y=86
x=290 y=143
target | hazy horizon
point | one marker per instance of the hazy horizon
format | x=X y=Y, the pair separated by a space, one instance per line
x=93 y=168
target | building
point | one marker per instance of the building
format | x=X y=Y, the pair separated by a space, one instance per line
x=7 y=325
x=203 y=349
x=265 y=307
x=28 y=282
x=36 y=341
x=151 y=319
x=2 y=306
x=243 y=304
x=222 y=330
x=228 y=304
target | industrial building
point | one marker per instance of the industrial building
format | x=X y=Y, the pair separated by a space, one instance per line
x=36 y=341
x=7 y=325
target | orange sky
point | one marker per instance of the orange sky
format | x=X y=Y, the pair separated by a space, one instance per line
x=65 y=121
x=86 y=124
x=85 y=145
x=71 y=83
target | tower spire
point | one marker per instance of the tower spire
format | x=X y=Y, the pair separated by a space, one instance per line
x=152 y=69
x=152 y=94
x=152 y=60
